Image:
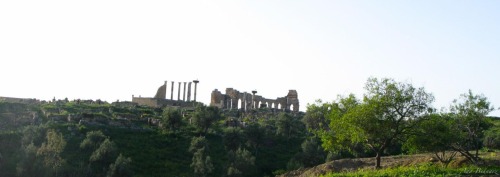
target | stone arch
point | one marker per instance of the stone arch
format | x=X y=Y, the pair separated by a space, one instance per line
x=240 y=104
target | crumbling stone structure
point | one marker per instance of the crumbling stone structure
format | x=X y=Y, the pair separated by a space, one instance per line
x=247 y=101
x=160 y=98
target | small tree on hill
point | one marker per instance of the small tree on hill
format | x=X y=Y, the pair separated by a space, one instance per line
x=93 y=140
x=121 y=167
x=201 y=162
x=171 y=118
x=51 y=151
x=233 y=136
x=241 y=163
x=288 y=126
x=103 y=156
x=203 y=117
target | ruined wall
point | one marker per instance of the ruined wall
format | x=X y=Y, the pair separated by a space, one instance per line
x=159 y=103
x=232 y=98
x=151 y=102
x=162 y=92
x=217 y=99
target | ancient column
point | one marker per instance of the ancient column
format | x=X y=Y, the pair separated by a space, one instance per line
x=244 y=104
x=184 y=94
x=189 y=92
x=172 y=91
x=179 y=92
x=195 y=84
x=253 y=99
x=166 y=89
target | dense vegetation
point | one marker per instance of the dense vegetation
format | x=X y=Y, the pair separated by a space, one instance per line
x=74 y=138
x=94 y=138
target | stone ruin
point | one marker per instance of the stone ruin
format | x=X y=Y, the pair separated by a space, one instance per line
x=248 y=101
x=161 y=100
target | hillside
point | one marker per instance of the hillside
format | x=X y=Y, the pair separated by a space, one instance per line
x=142 y=134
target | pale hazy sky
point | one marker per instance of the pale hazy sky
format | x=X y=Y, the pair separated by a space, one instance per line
x=111 y=49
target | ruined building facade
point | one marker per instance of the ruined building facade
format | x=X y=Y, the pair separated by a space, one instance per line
x=161 y=100
x=247 y=101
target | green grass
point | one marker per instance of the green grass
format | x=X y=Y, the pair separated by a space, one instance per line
x=423 y=170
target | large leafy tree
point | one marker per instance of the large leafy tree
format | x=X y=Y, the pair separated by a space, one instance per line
x=389 y=111
x=470 y=112
x=438 y=133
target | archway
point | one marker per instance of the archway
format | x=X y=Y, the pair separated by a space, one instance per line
x=240 y=105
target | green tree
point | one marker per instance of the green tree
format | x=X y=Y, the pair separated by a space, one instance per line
x=171 y=118
x=492 y=138
x=103 y=156
x=203 y=117
x=198 y=143
x=437 y=134
x=312 y=154
x=316 y=118
x=233 y=136
x=29 y=164
x=255 y=135
x=51 y=150
x=288 y=125
x=470 y=110
x=389 y=111
x=241 y=163
x=121 y=167
x=331 y=138
x=33 y=134
x=201 y=162
x=93 y=140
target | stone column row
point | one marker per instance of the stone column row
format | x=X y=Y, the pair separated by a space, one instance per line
x=184 y=90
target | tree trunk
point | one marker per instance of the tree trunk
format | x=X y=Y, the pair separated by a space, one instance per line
x=377 y=165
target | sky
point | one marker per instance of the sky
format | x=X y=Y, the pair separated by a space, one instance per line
x=113 y=49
